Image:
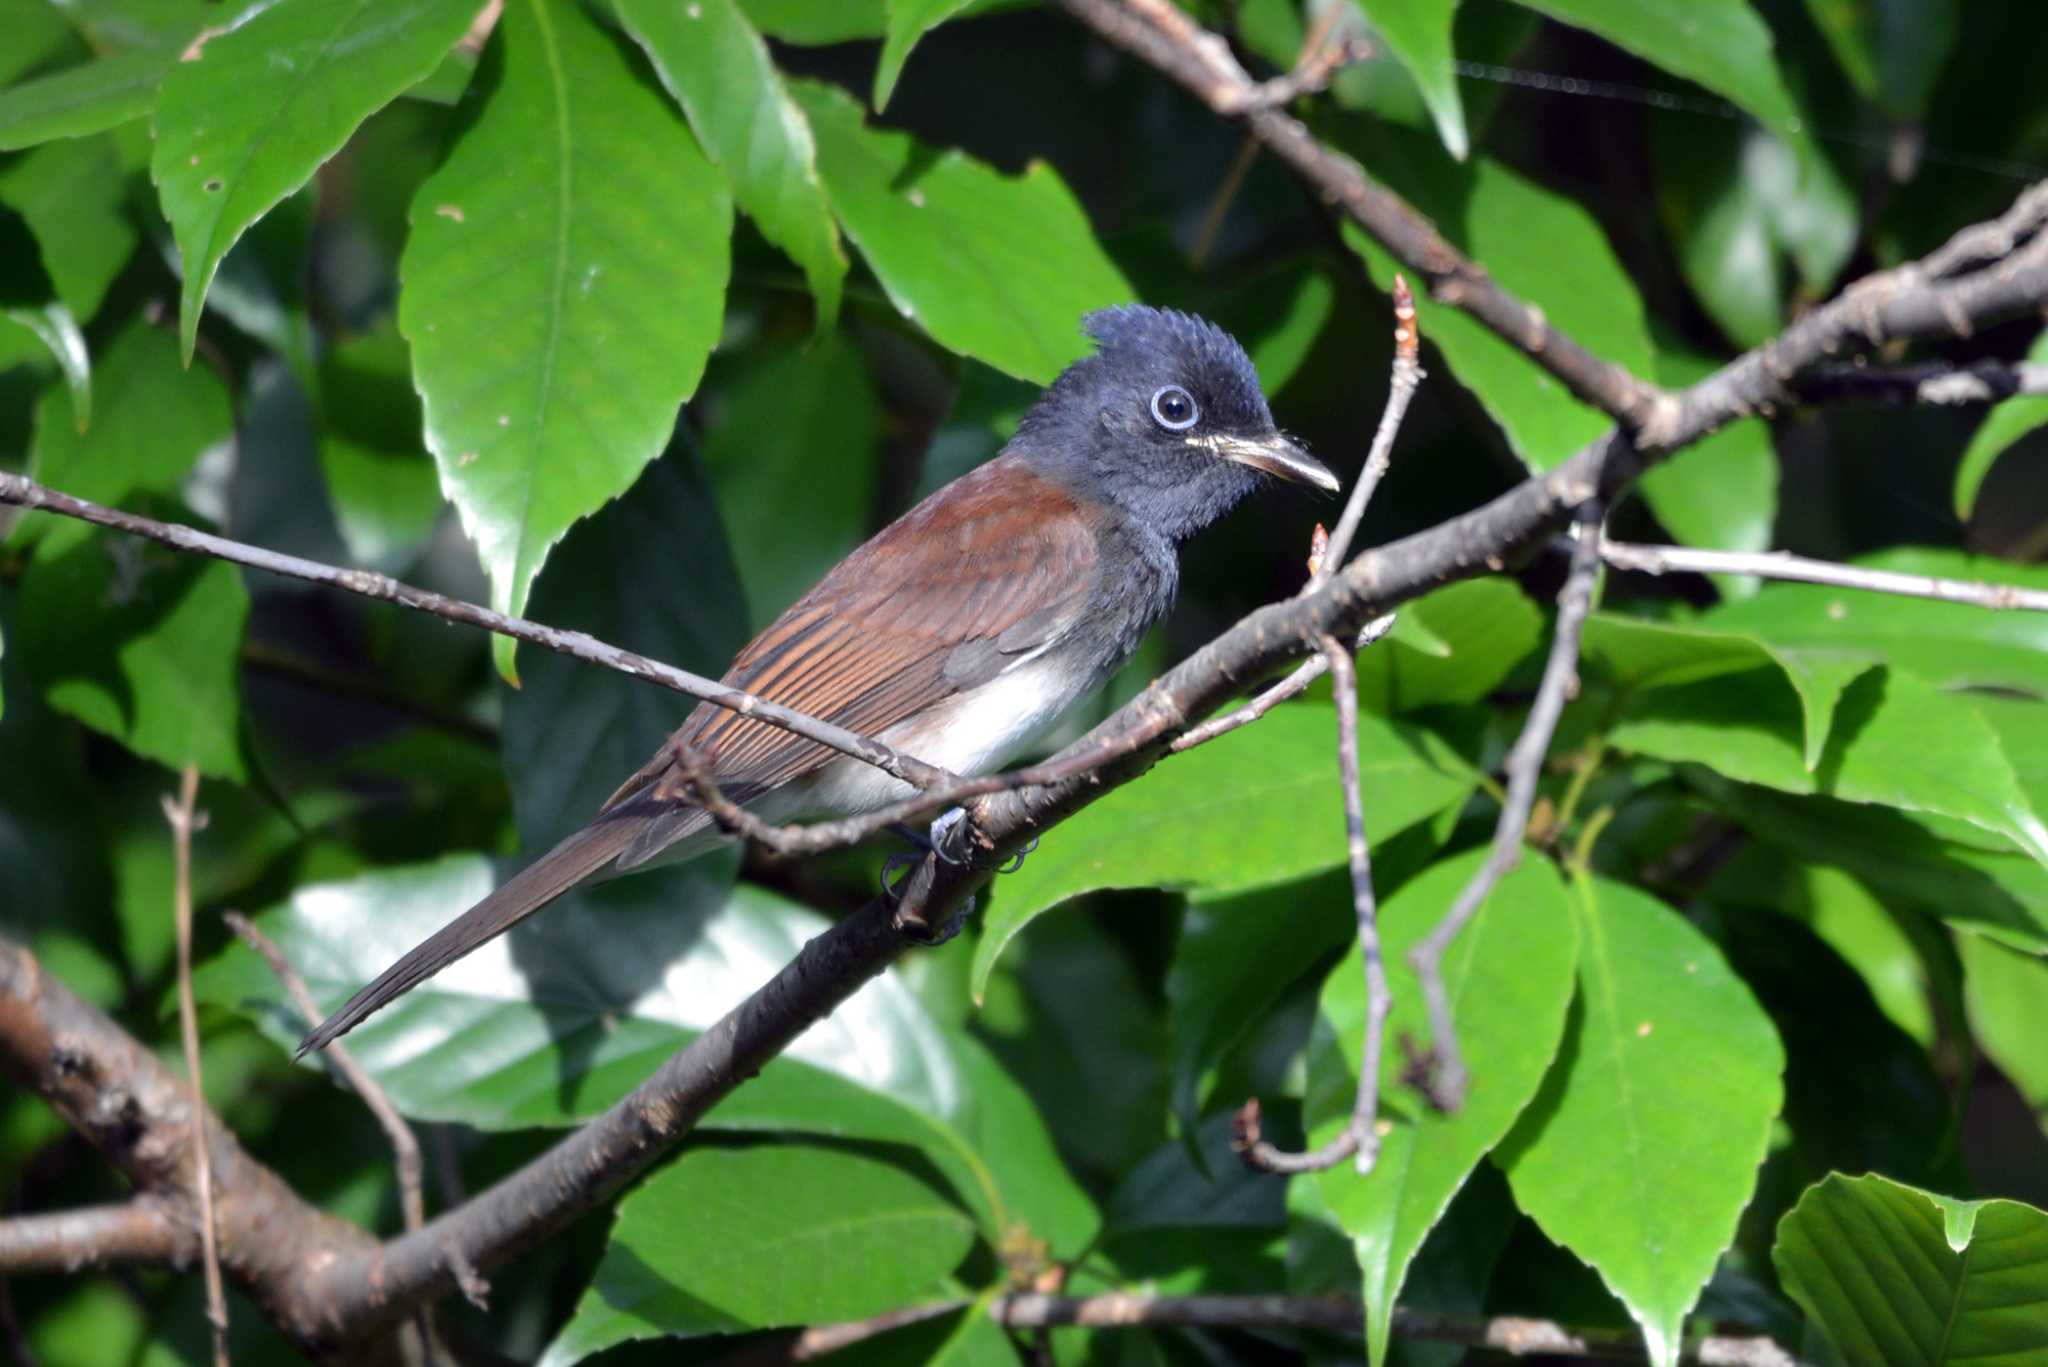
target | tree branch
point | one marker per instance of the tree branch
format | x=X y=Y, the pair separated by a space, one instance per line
x=1934 y=383
x=24 y=492
x=1625 y=555
x=142 y=1230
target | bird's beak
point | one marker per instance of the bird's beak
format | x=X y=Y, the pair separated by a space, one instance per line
x=1277 y=456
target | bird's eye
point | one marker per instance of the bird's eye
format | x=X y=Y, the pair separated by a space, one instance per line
x=1173 y=408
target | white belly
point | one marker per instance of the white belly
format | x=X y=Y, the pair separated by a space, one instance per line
x=974 y=733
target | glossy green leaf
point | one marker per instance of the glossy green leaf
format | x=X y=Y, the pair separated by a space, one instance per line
x=1745 y=727
x=573 y=734
x=1899 y=1277
x=1545 y=248
x=561 y=287
x=1894 y=51
x=38 y=36
x=1736 y=202
x=1510 y=980
x=2006 y=992
x=808 y=22
x=548 y=1025
x=380 y=481
x=719 y=70
x=847 y=1237
x=792 y=451
x=1419 y=33
x=2003 y=426
x=155 y=419
x=1945 y=643
x=1256 y=807
x=909 y=20
x=57 y=330
x=1642 y=1149
x=996 y=267
x=1860 y=928
x=82 y=100
x=1722 y=491
x=1724 y=45
x=1476 y=632
x=71 y=195
x=160 y=668
x=256 y=112
x=2004 y=894
x=1642 y=656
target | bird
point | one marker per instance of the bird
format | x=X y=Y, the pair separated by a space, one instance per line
x=961 y=630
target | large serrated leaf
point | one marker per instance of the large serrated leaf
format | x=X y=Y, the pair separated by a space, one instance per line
x=996 y=267
x=1510 y=980
x=561 y=288
x=719 y=70
x=1643 y=1147
x=257 y=109
x=1254 y=808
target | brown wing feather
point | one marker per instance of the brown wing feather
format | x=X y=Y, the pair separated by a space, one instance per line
x=892 y=629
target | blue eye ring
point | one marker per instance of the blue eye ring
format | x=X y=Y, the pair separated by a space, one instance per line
x=1174 y=409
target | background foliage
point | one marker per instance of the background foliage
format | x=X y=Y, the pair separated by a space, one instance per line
x=341 y=292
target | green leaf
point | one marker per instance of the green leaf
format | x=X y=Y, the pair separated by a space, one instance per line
x=1419 y=33
x=1901 y=1277
x=1859 y=927
x=2001 y=894
x=2003 y=426
x=810 y=23
x=719 y=70
x=1894 y=51
x=1735 y=200
x=71 y=195
x=1945 y=643
x=159 y=669
x=550 y=1024
x=2006 y=993
x=909 y=20
x=725 y=1241
x=82 y=100
x=38 y=34
x=995 y=267
x=1722 y=491
x=260 y=107
x=1452 y=646
x=1642 y=656
x=380 y=480
x=792 y=452
x=561 y=287
x=57 y=330
x=1743 y=726
x=1545 y=248
x=1643 y=1147
x=155 y=418
x=1722 y=44
x=1510 y=980
x=1256 y=807
x=573 y=733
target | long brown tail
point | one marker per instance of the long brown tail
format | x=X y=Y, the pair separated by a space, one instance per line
x=538 y=884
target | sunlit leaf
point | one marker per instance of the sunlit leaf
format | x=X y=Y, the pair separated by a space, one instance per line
x=1419 y=32
x=1643 y=1146
x=2003 y=426
x=1257 y=807
x=848 y=1237
x=82 y=100
x=997 y=267
x=71 y=194
x=1477 y=631
x=1510 y=979
x=718 y=68
x=57 y=330
x=2006 y=991
x=561 y=287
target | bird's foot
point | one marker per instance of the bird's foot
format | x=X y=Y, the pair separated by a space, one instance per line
x=946 y=832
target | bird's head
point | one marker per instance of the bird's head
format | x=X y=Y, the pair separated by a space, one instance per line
x=1166 y=419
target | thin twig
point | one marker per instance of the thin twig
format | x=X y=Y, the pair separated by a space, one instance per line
x=142 y=1230
x=185 y=819
x=1446 y=1079
x=1360 y=1136
x=26 y=493
x=1406 y=376
x=1626 y=555
x=1936 y=383
x=1293 y=686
